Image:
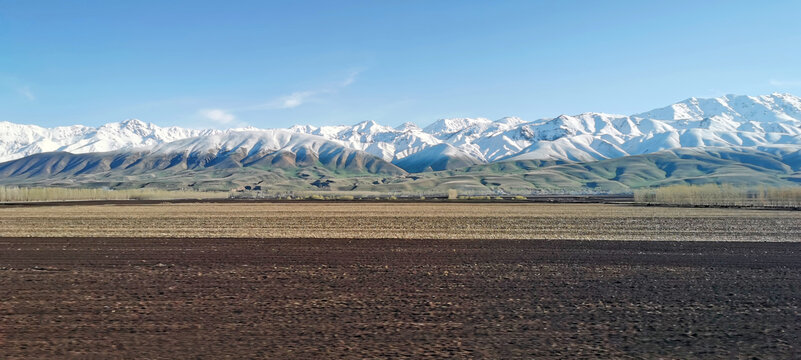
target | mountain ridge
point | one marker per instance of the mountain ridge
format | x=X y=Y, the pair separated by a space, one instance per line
x=754 y=166
x=727 y=121
x=218 y=161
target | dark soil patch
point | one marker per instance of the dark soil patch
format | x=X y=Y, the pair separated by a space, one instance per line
x=257 y=298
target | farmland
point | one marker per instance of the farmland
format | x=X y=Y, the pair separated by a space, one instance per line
x=387 y=220
x=388 y=280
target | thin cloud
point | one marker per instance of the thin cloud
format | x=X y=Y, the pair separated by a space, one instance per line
x=26 y=92
x=219 y=116
x=299 y=98
x=293 y=100
x=785 y=83
x=350 y=79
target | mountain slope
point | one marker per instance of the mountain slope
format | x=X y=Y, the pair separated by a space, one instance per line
x=728 y=121
x=278 y=151
x=768 y=166
x=273 y=172
x=436 y=158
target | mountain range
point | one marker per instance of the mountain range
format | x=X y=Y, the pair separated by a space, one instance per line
x=135 y=152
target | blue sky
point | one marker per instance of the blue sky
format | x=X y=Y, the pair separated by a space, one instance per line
x=273 y=64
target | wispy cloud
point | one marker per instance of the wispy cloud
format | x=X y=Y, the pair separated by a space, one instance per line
x=292 y=100
x=299 y=98
x=350 y=79
x=219 y=116
x=26 y=92
x=14 y=84
x=785 y=83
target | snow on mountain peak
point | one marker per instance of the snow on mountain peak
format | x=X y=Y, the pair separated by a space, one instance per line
x=18 y=141
x=408 y=126
x=135 y=123
x=370 y=127
x=730 y=120
x=741 y=108
x=444 y=127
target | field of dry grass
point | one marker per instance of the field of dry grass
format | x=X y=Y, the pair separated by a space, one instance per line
x=401 y=221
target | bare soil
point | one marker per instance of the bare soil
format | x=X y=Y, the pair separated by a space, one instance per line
x=307 y=298
x=345 y=220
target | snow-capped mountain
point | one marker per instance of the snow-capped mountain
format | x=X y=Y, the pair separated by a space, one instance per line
x=741 y=121
x=725 y=121
x=272 y=148
x=768 y=108
x=383 y=141
x=259 y=149
x=18 y=141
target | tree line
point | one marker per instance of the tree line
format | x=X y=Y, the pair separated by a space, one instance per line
x=721 y=195
x=27 y=194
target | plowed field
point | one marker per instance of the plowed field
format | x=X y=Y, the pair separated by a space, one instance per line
x=90 y=292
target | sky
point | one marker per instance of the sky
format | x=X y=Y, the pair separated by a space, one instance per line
x=271 y=64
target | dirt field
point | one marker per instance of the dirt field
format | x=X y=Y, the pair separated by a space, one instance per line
x=402 y=220
x=171 y=297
